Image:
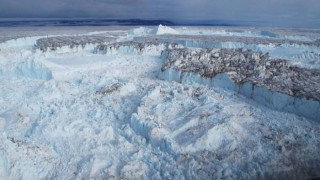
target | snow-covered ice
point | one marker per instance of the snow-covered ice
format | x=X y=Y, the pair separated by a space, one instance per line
x=101 y=111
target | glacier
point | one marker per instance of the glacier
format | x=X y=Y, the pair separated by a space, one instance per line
x=159 y=103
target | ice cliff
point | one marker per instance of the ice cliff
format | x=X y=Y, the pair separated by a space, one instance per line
x=268 y=80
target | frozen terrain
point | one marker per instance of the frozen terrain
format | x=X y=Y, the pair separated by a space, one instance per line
x=159 y=103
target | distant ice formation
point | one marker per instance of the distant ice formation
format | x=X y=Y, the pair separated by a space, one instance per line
x=165 y=30
x=160 y=30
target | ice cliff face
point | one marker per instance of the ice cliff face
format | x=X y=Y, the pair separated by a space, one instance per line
x=248 y=71
x=244 y=65
x=215 y=38
x=55 y=43
x=131 y=47
x=302 y=53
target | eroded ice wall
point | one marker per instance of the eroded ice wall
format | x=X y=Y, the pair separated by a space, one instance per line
x=272 y=82
x=132 y=47
x=72 y=43
x=302 y=53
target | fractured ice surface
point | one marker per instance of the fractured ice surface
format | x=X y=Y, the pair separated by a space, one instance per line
x=284 y=34
x=54 y=43
x=215 y=38
x=99 y=110
x=130 y=47
x=302 y=53
x=270 y=81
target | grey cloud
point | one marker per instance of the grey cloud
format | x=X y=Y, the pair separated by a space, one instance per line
x=302 y=13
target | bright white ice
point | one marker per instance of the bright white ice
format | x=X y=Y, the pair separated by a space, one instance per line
x=75 y=114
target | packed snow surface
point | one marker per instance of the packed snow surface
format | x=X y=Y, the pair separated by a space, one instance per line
x=100 y=111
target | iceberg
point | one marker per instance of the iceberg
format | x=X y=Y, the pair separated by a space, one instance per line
x=165 y=30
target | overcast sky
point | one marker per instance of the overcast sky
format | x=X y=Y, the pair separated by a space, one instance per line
x=295 y=13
